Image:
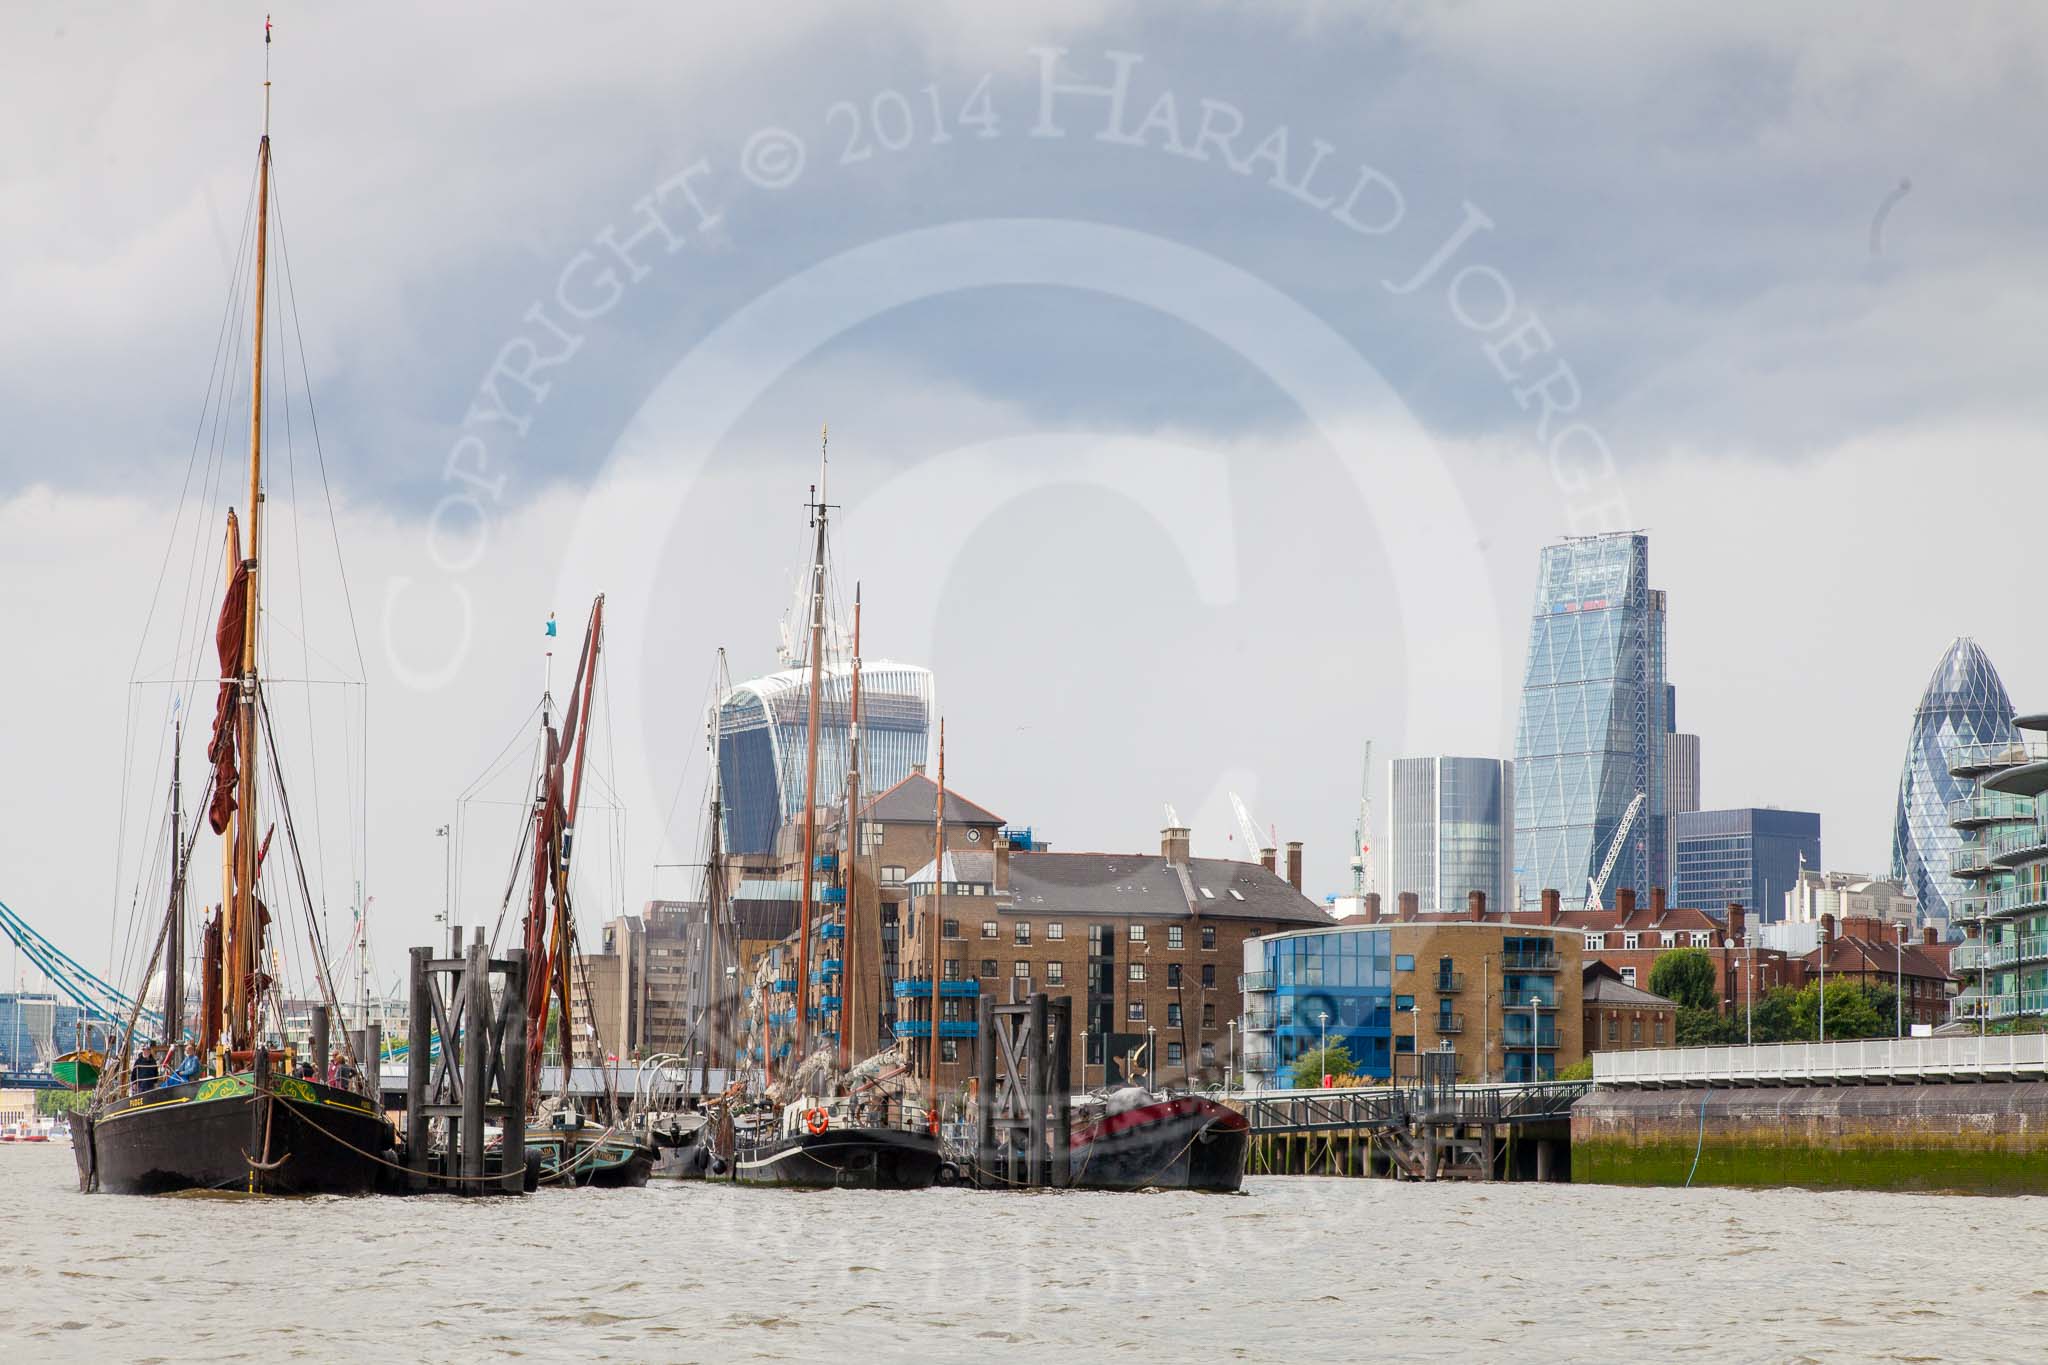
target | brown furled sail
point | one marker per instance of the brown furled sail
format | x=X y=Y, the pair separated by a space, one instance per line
x=227 y=639
x=209 y=986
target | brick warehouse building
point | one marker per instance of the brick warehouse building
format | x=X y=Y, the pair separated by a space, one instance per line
x=1147 y=946
x=1620 y=1017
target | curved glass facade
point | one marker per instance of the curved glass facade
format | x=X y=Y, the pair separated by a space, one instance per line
x=1451 y=830
x=1965 y=703
x=1595 y=713
x=1295 y=980
x=761 y=728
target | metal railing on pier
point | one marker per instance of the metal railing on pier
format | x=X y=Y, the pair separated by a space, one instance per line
x=1329 y=1111
x=1870 y=1061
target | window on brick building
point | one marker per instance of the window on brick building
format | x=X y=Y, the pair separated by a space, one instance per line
x=1668 y=939
x=1209 y=937
x=1173 y=973
x=1137 y=933
x=1055 y=930
x=1701 y=939
x=1208 y=973
x=1055 y=973
x=1628 y=976
x=952 y=969
x=988 y=966
x=949 y=1049
x=1173 y=1016
x=1613 y=1029
x=892 y=875
x=1173 y=1054
x=989 y=928
x=950 y=929
x=1020 y=969
x=1635 y=1030
x=1135 y=1012
x=1630 y=942
x=1208 y=1054
x=1660 y=1030
x=1173 y=936
x=1209 y=1016
x=1137 y=971
x=1023 y=934
x=1596 y=943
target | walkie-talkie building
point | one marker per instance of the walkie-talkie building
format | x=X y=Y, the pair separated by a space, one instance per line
x=1593 y=729
x=1965 y=704
x=762 y=727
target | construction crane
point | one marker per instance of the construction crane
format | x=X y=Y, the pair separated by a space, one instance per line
x=99 y=999
x=1362 y=878
x=1597 y=886
x=1256 y=842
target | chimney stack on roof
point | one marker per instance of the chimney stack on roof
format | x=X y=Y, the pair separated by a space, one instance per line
x=1552 y=903
x=1294 y=863
x=1475 y=906
x=1927 y=936
x=1738 y=923
x=1372 y=908
x=1625 y=901
x=1174 y=844
x=1410 y=905
x=1269 y=858
x=1659 y=903
x=1827 y=930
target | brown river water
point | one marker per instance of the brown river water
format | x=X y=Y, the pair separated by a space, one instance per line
x=1291 y=1270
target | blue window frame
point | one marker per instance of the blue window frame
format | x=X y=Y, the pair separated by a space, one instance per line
x=1404 y=962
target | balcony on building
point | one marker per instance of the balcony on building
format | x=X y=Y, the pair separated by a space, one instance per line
x=1259 y=1021
x=1529 y=960
x=1970 y=861
x=2026 y=775
x=2021 y=845
x=1450 y=1023
x=1250 y=982
x=1515 y=1034
x=1449 y=983
x=1995 y=758
x=1523 y=1000
x=1982 y=808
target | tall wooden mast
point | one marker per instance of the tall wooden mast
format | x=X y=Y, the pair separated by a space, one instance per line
x=245 y=930
x=174 y=932
x=819 y=516
x=849 y=864
x=936 y=922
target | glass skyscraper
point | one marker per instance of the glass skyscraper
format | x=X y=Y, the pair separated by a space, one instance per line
x=762 y=749
x=1451 y=830
x=1965 y=704
x=1594 y=720
x=1749 y=857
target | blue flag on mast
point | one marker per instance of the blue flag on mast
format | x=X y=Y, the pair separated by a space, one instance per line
x=551 y=623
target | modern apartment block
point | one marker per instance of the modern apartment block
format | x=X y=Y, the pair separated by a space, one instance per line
x=1594 y=722
x=1500 y=1001
x=2001 y=862
x=1748 y=856
x=1451 y=829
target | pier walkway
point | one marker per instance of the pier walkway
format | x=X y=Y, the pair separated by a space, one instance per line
x=1434 y=1132
x=1955 y=1059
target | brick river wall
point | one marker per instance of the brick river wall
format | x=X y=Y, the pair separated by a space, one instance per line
x=1985 y=1139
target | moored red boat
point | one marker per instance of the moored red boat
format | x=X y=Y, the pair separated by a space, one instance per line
x=1136 y=1141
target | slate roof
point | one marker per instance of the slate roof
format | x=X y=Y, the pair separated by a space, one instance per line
x=1604 y=986
x=1083 y=884
x=914 y=801
x=1856 y=955
x=962 y=865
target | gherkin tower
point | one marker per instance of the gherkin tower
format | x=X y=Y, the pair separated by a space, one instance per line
x=1964 y=704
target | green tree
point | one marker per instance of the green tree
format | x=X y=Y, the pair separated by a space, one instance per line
x=1702 y=1028
x=61 y=1101
x=1333 y=1061
x=1581 y=1070
x=1687 y=977
x=1849 y=1013
x=1774 y=1017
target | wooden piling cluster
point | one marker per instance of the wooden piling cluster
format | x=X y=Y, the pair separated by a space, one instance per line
x=1024 y=1094
x=1437 y=1131
x=477 y=1004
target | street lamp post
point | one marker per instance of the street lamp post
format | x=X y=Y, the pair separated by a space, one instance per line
x=1535 y=1036
x=1230 y=1054
x=1899 y=988
x=447 y=874
x=1324 y=1017
x=1151 y=1057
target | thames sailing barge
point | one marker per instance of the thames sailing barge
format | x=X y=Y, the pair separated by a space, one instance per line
x=234 y=1117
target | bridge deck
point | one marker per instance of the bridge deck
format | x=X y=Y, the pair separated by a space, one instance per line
x=1874 y=1061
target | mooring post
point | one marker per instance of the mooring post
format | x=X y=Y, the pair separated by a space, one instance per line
x=1062 y=1091
x=512 y=1073
x=373 y=1062
x=985 y=1095
x=476 y=1030
x=419 y=1043
x=259 y=1114
x=322 y=1025
x=1035 y=1085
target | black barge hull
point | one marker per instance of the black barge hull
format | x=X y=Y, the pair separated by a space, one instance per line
x=1187 y=1143
x=217 y=1134
x=843 y=1158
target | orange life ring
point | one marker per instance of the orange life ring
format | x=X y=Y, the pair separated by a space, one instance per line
x=817 y=1120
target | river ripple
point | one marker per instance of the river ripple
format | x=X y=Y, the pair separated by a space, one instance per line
x=1294 y=1269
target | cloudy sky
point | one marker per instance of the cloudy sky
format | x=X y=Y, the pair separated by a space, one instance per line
x=1202 y=379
